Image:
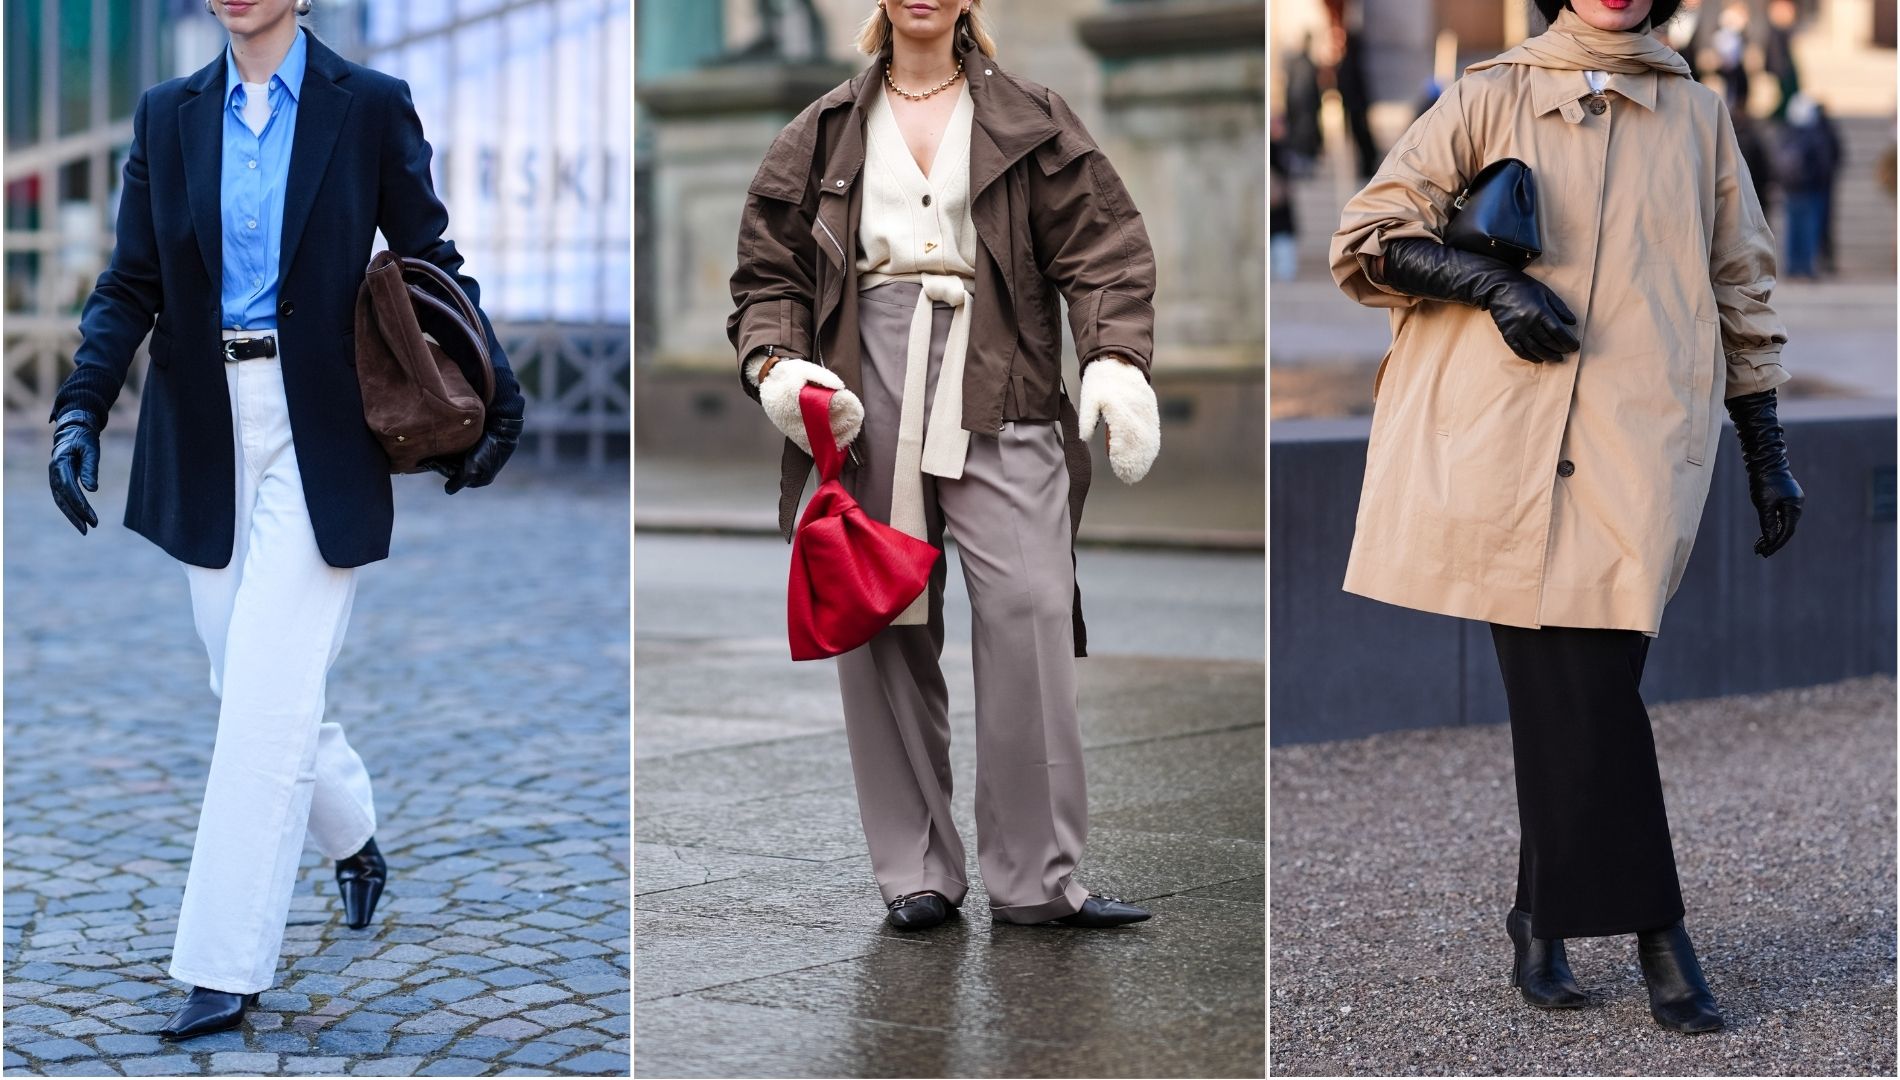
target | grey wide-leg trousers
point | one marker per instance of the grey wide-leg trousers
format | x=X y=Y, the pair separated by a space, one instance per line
x=1009 y=513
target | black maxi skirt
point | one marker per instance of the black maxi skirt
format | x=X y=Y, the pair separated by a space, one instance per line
x=1595 y=857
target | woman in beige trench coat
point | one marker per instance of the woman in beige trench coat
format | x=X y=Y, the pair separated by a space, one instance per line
x=1542 y=439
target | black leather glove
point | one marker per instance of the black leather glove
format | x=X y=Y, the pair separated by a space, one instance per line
x=75 y=465
x=1771 y=485
x=1534 y=321
x=478 y=467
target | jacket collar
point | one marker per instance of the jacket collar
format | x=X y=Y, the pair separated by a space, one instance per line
x=1007 y=122
x=322 y=105
x=1552 y=88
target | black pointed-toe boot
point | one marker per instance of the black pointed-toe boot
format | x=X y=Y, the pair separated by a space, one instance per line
x=205 y=1012
x=1100 y=912
x=359 y=881
x=1539 y=969
x=1679 y=997
x=918 y=911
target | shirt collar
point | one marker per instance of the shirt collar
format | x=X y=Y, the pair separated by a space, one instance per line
x=1551 y=88
x=289 y=73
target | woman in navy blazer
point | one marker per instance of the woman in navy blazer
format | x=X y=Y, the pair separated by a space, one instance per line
x=253 y=464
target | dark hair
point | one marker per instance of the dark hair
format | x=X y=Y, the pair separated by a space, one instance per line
x=1659 y=13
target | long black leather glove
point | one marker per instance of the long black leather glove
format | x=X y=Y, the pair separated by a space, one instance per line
x=1771 y=485
x=478 y=467
x=75 y=465
x=1534 y=321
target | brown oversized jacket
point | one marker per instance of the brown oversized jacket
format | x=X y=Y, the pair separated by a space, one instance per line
x=1052 y=220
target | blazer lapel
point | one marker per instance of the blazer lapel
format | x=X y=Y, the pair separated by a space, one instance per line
x=201 y=134
x=320 y=112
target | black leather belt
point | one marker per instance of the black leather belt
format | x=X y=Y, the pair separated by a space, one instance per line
x=257 y=348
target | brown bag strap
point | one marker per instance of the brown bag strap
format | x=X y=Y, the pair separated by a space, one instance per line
x=454 y=303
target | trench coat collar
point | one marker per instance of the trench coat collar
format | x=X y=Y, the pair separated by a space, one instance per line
x=1552 y=88
x=321 y=107
x=1007 y=122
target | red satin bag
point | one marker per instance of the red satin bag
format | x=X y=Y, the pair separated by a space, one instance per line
x=851 y=574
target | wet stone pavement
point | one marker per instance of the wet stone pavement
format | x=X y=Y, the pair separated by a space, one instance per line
x=761 y=945
x=484 y=681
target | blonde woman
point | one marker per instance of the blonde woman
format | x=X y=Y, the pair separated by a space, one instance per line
x=907 y=242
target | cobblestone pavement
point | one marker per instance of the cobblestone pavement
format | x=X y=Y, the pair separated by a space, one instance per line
x=762 y=944
x=484 y=681
x=1393 y=863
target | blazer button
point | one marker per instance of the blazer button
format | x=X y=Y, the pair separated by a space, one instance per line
x=1565 y=467
x=286 y=308
x=926 y=200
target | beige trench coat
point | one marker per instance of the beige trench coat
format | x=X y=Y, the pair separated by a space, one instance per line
x=1562 y=494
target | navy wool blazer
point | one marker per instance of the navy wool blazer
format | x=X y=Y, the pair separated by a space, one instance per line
x=358 y=162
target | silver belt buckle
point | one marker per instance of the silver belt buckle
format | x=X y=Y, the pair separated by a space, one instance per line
x=229 y=356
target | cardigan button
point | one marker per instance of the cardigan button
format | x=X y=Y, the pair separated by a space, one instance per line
x=1565 y=467
x=926 y=200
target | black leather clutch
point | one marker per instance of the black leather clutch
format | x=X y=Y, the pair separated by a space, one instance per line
x=1496 y=214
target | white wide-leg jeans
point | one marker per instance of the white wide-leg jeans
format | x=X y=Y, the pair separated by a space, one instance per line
x=272 y=621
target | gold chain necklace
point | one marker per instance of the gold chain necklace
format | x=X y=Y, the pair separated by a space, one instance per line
x=954 y=76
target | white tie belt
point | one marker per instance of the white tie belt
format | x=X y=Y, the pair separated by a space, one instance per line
x=940 y=450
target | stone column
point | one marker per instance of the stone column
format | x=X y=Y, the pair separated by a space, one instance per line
x=1184 y=121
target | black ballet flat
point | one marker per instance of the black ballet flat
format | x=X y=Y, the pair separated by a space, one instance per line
x=359 y=881
x=918 y=911
x=206 y=1012
x=1100 y=912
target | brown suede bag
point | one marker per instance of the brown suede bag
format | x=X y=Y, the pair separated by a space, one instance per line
x=420 y=354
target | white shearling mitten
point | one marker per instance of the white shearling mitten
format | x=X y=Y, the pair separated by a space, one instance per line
x=1115 y=391
x=779 y=395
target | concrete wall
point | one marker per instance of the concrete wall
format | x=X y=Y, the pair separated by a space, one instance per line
x=1822 y=609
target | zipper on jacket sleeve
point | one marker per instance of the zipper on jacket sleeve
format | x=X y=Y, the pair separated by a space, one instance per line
x=818 y=348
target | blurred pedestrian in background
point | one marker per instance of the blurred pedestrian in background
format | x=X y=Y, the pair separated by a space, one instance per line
x=1730 y=45
x=1806 y=158
x=1300 y=115
x=1560 y=504
x=1282 y=230
x=1824 y=250
x=252 y=192
x=1778 y=54
x=1349 y=78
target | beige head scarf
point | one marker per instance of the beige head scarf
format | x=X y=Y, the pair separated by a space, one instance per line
x=1574 y=45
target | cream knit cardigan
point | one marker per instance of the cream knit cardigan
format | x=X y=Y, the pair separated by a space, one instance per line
x=914 y=227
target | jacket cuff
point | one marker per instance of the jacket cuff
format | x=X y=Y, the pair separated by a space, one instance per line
x=1113 y=323
x=1753 y=372
x=784 y=323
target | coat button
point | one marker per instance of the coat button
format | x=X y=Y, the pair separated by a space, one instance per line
x=926 y=200
x=1596 y=106
x=1565 y=467
x=286 y=308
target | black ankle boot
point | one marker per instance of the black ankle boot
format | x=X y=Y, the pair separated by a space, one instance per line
x=1679 y=997
x=206 y=1011
x=1539 y=968
x=359 y=881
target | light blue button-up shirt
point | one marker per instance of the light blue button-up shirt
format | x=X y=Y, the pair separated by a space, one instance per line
x=255 y=173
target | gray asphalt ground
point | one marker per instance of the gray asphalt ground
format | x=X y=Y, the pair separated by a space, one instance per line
x=1393 y=865
x=760 y=948
x=484 y=681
